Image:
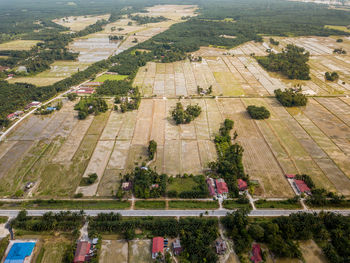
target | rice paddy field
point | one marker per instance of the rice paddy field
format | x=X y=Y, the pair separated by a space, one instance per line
x=56 y=151
x=235 y=72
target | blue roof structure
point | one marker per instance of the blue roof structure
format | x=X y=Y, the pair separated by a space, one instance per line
x=19 y=251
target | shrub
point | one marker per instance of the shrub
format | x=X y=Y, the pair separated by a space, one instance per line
x=258 y=113
x=152 y=149
x=332 y=76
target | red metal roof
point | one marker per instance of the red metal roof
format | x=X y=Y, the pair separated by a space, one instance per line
x=83 y=249
x=158 y=245
x=291 y=176
x=242 y=185
x=302 y=186
x=11 y=115
x=221 y=186
x=256 y=251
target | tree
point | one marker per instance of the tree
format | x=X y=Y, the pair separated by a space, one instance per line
x=258 y=113
x=332 y=76
x=152 y=149
x=291 y=97
x=181 y=116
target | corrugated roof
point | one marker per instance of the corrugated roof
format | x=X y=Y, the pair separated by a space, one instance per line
x=158 y=245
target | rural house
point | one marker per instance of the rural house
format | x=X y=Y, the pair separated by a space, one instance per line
x=157 y=246
x=242 y=185
x=82 y=252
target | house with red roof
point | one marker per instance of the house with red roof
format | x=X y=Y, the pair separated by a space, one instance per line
x=221 y=186
x=211 y=186
x=242 y=185
x=302 y=187
x=256 y=254
x=290 y=176
x=157 y=246
x=83 y=250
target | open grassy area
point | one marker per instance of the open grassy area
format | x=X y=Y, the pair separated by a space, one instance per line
x=3 y=219
x=193 y=205
x=3 y=245
x=18 y=45
x=65 y=204
x=150 y=204
x=344 y=204
x=341 y=28
x=233 y=204
x=105 y=77
x=181 y=184
x=284 y=204
x=52 y=251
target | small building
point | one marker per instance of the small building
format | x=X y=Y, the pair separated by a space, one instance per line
x=177 y=249
x=10 y=75
x=82 y=252
x=153 y=186
x=50 y=108
x=33 y=104
x=3 y=68
x=211 y=186
x=157 y=246
x=221 y=186
x=93 y=84
x=11 y=116
x=220 y=246
x=290 y=176
x=302 y=187
x=126 y=186
x=256 y=254
x=242 y=185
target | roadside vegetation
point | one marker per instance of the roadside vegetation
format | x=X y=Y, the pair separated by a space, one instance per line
x=193 y=204
x=292 y=203
x=291 y=97
x=141 y=204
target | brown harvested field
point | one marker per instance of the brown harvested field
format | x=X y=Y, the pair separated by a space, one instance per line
x=140 y=251
x=114 y=251
x=311 y=252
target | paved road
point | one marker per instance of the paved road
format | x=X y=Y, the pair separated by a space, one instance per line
x=173 y=213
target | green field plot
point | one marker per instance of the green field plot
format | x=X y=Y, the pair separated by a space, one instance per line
x=283 y=204
x=105 y=77
x=65 y=204
x=149 y=204
x=179 y=184
x=341 y=28
x=52 y=251
x=18 y=45
x=193 y=205
x=233 y=204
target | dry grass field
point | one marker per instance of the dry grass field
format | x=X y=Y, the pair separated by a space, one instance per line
x=114 y=251
x=18 y=45
x=77 y=23
x=140 y=251
x=311 y=252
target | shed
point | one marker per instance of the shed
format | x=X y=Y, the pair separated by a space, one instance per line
x=221 y=186
x=256 y=254
x=242 y=185
x=290 y=176
x=211 y=186
x=157 y=246
x=302 y=186
x=177 y=247
x=83 y=249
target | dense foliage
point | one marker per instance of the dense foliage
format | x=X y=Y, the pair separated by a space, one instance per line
x=152 y=149
x=63 y=221
x=181 y=116
x=89 y=105
x=141 y=20
x=291 y=62
x=115 y=87
x=258 y=113
x=148 y=183
x=332 y=76
x=229 y=164
x=290 y=97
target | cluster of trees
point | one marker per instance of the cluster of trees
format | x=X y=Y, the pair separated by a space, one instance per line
x=182 y=116
x=202 y=91
x=290 y=97
x=199 y=191
x=331 y=76
x=291 y=62
x=116 y=37
x=257 y=112
x=127 y=63
x=63 y=221
x=229 y=164
x=91 y=179
x=141 y=20
x=197 y=235
x=115 y=87
x=152 y=149
x=89 y=105
x=339 y=51
x=148 y=183
x=274 y=42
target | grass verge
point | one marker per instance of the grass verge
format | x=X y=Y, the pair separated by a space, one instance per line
x=193 y=205
x=66 y=204
x=150 y=204
x=284 y=204
x=233 y=204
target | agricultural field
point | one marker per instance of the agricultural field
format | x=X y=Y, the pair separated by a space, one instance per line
x=77 y=23
x=59 y=70
x=105 y=77
x=18 y=45
x=140 y=251
x=52 y=250
x=312 y=140
x=235 y=72
x=114 y=251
